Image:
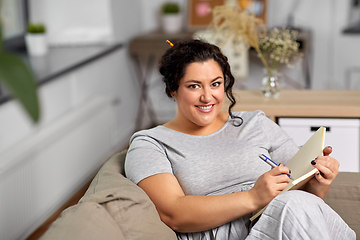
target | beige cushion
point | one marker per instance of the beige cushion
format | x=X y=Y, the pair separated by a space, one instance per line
x=88 y=221
x=127 y=203
x=344 y=198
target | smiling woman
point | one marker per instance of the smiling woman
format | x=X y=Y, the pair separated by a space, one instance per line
x=202 y=169
x=203 y=70
x=200 y=97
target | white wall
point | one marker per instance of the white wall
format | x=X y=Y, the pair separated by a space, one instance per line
x=66 y=25
x=69 y=19
x=346 y=55
x=127 y=19
x=333 y=51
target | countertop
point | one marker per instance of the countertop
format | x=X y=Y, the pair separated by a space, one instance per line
x=60 y=60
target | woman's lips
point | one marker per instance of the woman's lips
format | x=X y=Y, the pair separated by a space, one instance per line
x=205 y=108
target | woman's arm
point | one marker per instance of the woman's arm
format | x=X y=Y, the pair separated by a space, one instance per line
x=328 y=169
x=192 y=213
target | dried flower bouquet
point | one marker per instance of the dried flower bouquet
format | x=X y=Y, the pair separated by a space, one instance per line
x=276 y=49
x=280 y=48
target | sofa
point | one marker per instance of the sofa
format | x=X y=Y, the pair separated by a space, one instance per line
x=115 y=208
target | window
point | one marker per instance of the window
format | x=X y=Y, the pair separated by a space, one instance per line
x=14 y=16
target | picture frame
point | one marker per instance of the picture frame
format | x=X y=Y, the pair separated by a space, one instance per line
x=199 y=15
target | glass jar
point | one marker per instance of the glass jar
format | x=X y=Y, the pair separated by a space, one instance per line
x=271 y=85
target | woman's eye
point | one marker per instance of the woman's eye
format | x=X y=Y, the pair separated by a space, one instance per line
x=216 y=84
x=194 y=86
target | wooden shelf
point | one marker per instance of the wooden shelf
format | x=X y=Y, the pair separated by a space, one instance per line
x=301 y=103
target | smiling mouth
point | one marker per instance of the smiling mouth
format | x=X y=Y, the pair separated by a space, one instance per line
x=205 y=107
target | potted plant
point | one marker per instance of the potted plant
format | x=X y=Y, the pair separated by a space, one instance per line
x=171 y=17
x=36 y=41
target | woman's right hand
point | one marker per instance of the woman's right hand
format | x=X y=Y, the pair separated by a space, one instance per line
x=269 y=185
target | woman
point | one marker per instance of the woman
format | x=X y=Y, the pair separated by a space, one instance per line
x=202 y=169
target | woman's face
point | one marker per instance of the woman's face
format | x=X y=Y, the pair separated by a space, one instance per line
x=200 y=95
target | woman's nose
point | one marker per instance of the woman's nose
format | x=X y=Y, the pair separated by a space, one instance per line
x=206 y=95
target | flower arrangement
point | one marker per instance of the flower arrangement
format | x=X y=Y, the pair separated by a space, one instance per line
x=277 y=48
x=242 y=26
x=280 y=48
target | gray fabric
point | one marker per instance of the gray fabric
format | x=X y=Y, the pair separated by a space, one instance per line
x=196 y=160
x=300 y=215
x=232 y=150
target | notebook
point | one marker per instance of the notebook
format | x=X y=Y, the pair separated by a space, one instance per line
x=300 y=165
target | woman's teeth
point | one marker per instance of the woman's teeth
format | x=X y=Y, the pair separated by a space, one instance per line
x=205 y=107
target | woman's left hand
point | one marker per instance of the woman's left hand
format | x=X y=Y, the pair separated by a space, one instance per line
x=328 y=169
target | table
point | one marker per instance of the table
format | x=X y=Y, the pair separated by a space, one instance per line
x=300 y=103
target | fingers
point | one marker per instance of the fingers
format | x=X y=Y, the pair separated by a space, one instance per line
x=323 y=178
x=326 y=162
x=324 y=168
x=328 y=167
x=327 y=150
x=279 y=178
x=281 y=169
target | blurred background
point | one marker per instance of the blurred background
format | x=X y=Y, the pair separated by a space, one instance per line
x=98 y=83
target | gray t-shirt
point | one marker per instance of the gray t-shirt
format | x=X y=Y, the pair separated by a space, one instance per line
x=222 y=162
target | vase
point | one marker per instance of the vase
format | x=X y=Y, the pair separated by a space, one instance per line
x=36 y=44
x=172 y=23
x=271 y=85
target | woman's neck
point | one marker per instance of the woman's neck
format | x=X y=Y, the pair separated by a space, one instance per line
x=190 y=128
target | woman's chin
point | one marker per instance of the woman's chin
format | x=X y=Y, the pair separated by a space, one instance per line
x=206 y=119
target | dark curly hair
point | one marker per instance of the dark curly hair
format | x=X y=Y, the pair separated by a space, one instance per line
x=175 y=60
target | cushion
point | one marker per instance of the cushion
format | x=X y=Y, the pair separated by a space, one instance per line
x=84 y=221
x=128 y=204
x=344 y=198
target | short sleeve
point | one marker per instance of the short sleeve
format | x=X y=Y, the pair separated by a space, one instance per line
x=145 y=157
x=283 y=148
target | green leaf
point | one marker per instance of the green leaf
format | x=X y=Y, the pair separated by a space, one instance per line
x=20 y=80
x=1 y=33
x=170 y=7
x=36 y=28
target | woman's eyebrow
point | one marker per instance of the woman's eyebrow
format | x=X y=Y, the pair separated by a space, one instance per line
x=216 y=78
x=197 y=81
x=192 y=81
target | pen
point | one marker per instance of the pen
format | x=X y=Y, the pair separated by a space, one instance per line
x=270 y=162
